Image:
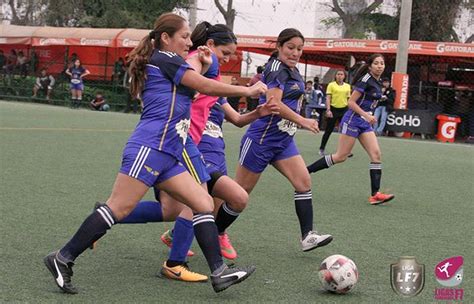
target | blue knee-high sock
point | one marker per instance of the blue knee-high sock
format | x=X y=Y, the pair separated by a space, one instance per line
x=144 y=212
x=183 y=235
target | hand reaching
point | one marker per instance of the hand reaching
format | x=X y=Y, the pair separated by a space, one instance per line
x=269 y=107
x=310 y=124
x=257 y=89
x=204 y=55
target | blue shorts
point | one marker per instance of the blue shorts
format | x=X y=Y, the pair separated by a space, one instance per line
x=353 y=125
x=148 y=165
x=193 y=160
x=256 y=157
x=77 y=86
x=215 y=161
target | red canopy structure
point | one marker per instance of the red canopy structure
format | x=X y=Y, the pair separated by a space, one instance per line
x=100 y=48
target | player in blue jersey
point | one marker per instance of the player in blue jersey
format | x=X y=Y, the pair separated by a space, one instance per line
x=269 y=140
x=357 y=124
x=77 y=72
x=221 y=42
x=166 y=84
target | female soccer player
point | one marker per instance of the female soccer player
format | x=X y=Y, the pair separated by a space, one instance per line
x=222 y=43
x=337 y=92
x=357 y=124
x=165 y=83
x=269 y=140
x=77 y=72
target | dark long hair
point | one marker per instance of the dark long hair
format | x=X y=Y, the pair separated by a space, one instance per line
x=284 y=36
x=167 y=23
x=364 y=68
x=220 y=33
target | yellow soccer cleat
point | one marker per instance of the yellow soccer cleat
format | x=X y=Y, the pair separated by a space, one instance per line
x=182 y=273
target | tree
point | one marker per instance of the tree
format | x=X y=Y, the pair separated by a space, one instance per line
x=26 y=12
x=353 y=15
x=229 y=14
x=434 y=20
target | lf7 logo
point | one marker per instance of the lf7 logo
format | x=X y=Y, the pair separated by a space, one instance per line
x=407 y=277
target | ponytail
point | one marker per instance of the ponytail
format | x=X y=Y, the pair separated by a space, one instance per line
x=139 y=57
x=137 y=62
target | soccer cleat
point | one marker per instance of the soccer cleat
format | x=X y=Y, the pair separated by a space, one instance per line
x=313 y=240
x=61 y=272
x=167 y=239
x=230 y=276
x=227 y=250
x=380 y=198
x=182 y=273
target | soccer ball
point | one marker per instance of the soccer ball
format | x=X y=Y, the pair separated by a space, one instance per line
x=338 y=274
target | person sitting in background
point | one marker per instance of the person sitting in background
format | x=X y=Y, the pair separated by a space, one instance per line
x=384 y=106
x=99 y=103
x=45 y=83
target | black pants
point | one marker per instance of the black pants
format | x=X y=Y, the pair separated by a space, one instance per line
x=337 y=114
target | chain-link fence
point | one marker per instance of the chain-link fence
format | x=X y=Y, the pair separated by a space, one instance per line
x=19 y=77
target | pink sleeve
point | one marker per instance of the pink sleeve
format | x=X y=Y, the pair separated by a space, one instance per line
x=200 y=110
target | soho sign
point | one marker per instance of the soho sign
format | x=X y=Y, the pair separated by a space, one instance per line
x=407 y=120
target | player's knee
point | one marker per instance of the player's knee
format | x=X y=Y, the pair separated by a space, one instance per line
x=239 y=201
x=339 y=158
x=120 y=210
x=376 y=156
x=206 y=204
x=304 y=184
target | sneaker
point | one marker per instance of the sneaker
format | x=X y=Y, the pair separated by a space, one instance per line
x=380 y=198
x=61 y=272
x=313 y=240
x=167 y=239
x=182 y=273
x=230 y=276
x=227 y=250
x=322 y=152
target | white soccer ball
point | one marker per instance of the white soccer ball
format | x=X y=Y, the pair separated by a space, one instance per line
x=338 y=274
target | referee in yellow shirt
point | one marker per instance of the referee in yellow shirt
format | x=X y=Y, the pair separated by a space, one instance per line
x=338 y=93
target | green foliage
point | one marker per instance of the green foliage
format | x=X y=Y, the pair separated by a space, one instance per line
x=383 y=25
x=109 y=13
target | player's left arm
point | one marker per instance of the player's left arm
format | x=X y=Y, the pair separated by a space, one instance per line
x=86 y=72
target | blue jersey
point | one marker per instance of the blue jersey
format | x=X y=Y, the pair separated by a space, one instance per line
x=371 y=90
x=76 y=74
x=273 y=130
x=165 y=120
x=213 y=71
x=212 y=138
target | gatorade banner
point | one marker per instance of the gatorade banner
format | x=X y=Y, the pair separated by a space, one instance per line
x=413 y=121
x=400 y=84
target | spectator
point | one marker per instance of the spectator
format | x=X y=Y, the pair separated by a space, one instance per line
x=320 y=100
x=384 y=106
x=11 y=62
x=22 y=64
x=77 y=72
x=252 y=102
x=99 y=103
x=234 y=101
x=3 y=60
x=45 y=83
x=119 y=70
